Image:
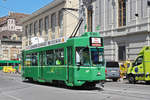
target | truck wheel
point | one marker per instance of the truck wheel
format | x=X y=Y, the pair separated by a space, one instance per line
x=131 y=79
x=115 y=80
x=147 y=82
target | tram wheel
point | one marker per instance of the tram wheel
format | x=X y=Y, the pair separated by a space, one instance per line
x=90 y=86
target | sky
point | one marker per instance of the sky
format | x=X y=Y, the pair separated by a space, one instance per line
x=21 y=6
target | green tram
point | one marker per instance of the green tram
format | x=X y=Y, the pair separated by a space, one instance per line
x=77 y=61
x=9 y=63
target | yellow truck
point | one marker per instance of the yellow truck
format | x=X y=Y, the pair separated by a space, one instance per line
x=139 y=70
x=124 y=67
x=8 y=69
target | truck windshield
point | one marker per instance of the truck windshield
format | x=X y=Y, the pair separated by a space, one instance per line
x=97 y=56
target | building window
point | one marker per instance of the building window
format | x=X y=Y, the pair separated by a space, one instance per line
x=122 y=53
x=110 y=11
x=61 y=23
x=26 y=30
x=12 y=27
x=46 y=24
x=122 y=13
x=30 y=32
x=19 y=38
x=53 y=24
x=14 y=38
x=30 y=29
x=132 y=9
x=144 y=8
x=18 y=29
x=90 y=18
x=5 y=38
x=40 y=26
x=35 y=28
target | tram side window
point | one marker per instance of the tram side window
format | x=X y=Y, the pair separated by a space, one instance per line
x=27 y=61
x=10 y=64
x=59 y=54
x=16 y=64
x=55 y=57
x=34 y=59
x=50 y=57
x=3 y=64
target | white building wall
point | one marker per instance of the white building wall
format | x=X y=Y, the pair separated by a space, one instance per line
x=134 y=35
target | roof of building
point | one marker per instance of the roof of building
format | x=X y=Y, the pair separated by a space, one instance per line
x=16 y=16
x=3 y=18
x=43 y=9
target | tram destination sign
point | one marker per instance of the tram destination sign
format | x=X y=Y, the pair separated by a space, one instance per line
x=47 y=43
x=96 y=41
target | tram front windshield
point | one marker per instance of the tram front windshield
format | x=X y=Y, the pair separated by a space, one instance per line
x=88 y=57
x=97 y=56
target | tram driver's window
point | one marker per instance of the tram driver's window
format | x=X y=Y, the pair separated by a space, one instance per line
x=82 y=56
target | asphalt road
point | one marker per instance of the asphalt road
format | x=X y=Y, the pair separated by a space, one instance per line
x=12 y=88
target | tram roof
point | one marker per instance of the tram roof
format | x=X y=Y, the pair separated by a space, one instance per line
x=60 y=41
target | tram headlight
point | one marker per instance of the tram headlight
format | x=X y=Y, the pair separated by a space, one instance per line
x=98 y=74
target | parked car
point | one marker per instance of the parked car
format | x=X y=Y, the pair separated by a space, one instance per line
x=112 y=70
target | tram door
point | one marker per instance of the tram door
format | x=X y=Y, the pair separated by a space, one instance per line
x=69 y=64
x=41 y=64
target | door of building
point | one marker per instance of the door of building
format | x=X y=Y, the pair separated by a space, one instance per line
x=122 y=53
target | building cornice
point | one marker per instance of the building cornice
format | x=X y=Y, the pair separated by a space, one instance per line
x=43 y=9
x=12 y=41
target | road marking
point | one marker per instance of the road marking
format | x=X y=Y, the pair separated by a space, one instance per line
x=15 y=98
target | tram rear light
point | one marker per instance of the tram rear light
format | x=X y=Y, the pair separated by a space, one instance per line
x=105 y=71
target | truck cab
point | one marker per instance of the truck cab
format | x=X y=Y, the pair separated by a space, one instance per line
x=139 y=70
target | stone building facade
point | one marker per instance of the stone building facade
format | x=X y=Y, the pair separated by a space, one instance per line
x=124 y=24
x=10 y=45
x=11 y=22
x=53 y=21
x=11 y=36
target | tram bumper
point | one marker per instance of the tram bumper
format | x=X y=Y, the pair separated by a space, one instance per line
x=92 y=75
